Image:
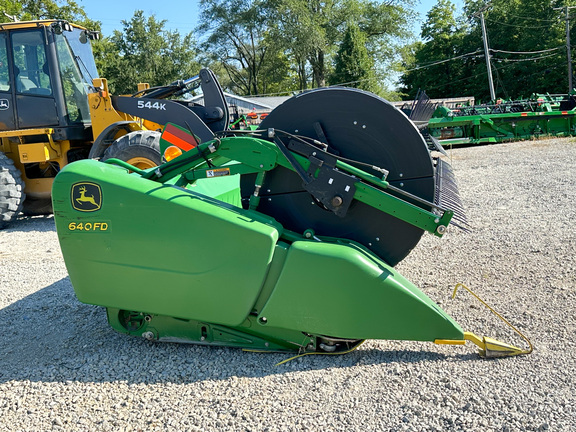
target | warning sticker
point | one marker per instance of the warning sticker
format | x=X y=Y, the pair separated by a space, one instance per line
x=220 y=172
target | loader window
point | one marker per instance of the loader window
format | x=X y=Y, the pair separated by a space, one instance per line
x=75 y=87
x=30 y=71
x=83 y=53
x=4 y=76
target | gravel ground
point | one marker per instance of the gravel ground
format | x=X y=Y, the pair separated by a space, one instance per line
x=63 y=368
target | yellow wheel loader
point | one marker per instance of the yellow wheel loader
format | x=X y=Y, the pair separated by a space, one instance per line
x=54 y=110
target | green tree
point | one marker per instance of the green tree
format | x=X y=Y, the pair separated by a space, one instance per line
x=236 y=36
x=26 y=10
x=353 y=65
x=312 y=31
x=518 y=26
x=292 y=44
x=144 y=51
x=442 y=39
x=527 y=49
x=301 y=36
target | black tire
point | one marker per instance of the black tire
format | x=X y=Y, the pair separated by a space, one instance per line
x=140 y=148
x=37 y=207
x=11 y=191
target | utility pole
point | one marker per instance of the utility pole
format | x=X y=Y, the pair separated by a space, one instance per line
x=487 y=55
x=568 y=49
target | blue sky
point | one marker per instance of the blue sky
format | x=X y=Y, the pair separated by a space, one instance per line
x=179 y=15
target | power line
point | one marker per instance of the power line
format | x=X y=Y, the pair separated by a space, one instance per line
x=526 y=52
x=470 y=55
x=533 y=19
x=425 y=66
x=433 y=64
x=532 y=74
x=458 y=80
x=517 y=25
x=481 y=74
x=523 y=60
x=473 y=55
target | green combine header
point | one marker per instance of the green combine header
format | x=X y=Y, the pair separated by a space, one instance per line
x=539 y=116
x=279 y=239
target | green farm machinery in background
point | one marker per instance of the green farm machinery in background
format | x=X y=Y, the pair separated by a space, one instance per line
x=279 y=239
x=539 y=116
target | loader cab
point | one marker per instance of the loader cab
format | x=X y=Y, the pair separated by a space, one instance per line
x=46 y=71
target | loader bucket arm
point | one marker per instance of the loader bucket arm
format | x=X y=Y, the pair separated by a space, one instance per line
x=213 y=113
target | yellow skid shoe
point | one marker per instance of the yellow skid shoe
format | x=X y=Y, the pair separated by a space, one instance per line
x=488 y=347
x=492 y=348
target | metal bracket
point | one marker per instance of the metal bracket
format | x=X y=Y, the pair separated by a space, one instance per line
x=334 y=189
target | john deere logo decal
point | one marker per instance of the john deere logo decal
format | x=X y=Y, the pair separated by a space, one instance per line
x=86 y=197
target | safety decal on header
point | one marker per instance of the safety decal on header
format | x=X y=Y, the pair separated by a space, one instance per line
x=86 y=197
x=179 y=137
x=220 y=172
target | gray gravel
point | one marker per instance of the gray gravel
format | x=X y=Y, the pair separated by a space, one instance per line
x=63 y=368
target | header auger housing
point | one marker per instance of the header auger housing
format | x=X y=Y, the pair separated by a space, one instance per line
x=280 y=239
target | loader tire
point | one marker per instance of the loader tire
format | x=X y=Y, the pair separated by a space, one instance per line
x=11 y=191
x=140 y=149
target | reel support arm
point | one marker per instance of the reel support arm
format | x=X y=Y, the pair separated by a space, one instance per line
x=329 y=180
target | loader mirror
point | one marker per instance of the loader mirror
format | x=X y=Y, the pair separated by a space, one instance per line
x=61 y=26
x=87 y=35
x=57 y=28
x=93 y=35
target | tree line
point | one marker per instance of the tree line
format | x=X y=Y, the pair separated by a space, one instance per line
x=526 y=39
x=278 y=47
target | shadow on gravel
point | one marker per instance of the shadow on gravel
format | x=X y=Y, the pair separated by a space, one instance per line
x=32 y=223
x=50 y=336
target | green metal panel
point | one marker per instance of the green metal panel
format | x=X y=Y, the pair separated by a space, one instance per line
x=344 y=291
x=158 y=248
x=492 y=128
x=226 y=189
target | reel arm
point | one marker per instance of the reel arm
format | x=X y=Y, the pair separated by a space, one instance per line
x=330 y=181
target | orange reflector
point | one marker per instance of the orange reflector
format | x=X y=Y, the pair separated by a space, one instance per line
x=171 y=153
x=524 y=115
x=564 y=112
x=179 y=137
